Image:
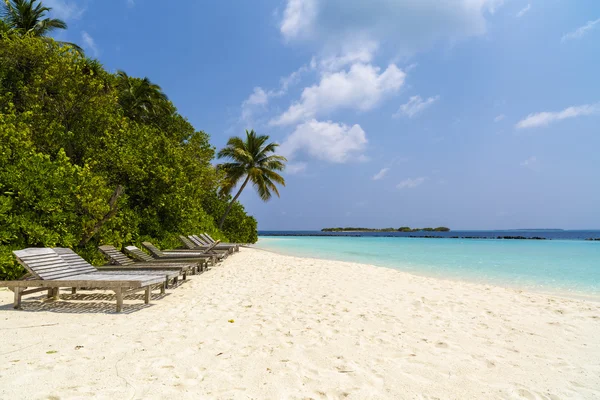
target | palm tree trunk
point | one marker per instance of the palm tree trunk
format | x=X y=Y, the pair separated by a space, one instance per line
x=233 y=201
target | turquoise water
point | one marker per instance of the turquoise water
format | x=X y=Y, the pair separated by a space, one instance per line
x=550 y=266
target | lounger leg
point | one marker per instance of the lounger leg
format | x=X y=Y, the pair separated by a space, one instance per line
x=74 y=290
x=50 y=293
x=162 y=289
x=185 y=276
x=17 y=302
x=147 y=295
x=55 y=295
x=119 y=294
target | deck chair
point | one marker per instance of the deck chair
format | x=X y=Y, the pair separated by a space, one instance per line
x=210 y=240
x=49 y=272
x=179 y=254
x=75 y=260
x=115 y=257
x=138 y=254
x=215 y=247
x=193 y=244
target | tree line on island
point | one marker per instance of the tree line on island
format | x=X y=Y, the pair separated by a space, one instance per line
x=401 y=229
x=90 y=157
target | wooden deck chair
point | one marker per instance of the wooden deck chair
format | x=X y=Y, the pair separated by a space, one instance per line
x=117 y=258
x=159 y=256
x=49 y=272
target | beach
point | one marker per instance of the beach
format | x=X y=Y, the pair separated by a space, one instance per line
x=263 y=325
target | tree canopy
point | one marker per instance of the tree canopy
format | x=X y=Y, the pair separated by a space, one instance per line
x=88 y=157
x=253 y=158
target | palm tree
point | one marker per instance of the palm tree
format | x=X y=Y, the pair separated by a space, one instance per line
x=252 y=158
x=140 y=98
x=26 y=17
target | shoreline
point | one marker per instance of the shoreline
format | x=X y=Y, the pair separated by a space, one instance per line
x=580 y=295
x=265 y=325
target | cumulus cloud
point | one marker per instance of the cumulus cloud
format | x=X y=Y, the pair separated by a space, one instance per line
x=524 y=11
x=381 y=174
x=411 y=183
x=581 y=31
x=499 y=118
x=546 y=118
x=65 y=10
x=413 y=25
x=89 y=44
x=295 y=168
x=327 y=141
x=415 y=106
x=362 y=88
x=259 y=99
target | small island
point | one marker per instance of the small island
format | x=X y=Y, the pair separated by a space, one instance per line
x=401 y=229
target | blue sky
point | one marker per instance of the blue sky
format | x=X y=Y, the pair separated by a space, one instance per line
x=472 y=114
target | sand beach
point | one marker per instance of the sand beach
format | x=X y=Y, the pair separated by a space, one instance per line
x=267 y=326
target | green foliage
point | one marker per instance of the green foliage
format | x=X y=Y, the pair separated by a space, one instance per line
x=253 y=159
x=70 y=136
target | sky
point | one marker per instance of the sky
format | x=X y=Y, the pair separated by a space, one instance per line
x=471 y=114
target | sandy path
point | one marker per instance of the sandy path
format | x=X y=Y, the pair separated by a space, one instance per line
x=304 y=328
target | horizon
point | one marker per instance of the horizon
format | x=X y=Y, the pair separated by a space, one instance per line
x=482 y=113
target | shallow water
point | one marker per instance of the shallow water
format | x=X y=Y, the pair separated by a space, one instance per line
x=552 y=266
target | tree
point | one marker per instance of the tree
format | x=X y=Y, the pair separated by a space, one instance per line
x=140 y=98
x=27 y=17
x=253 y=159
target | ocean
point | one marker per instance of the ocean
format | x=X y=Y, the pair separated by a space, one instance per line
x=565 y=262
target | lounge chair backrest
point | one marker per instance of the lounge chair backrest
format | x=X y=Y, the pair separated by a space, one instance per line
x=201 y=241
x=115 y=256
x=210 y=238
x=206 y=239
x=74 y=260
x=187 y=242
x=139 y=254
x=46 y=264
x=194 y=240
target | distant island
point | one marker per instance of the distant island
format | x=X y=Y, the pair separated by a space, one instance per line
x=401 y=229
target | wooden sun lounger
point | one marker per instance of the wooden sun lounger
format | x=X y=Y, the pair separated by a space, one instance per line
x=120 y=259
x=208 y=251
x=75 y=260
x=209 y=239
x=49 y=272
x=202 y=243
x=138 y=254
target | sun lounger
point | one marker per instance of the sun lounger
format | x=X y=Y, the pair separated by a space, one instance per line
x=49 y=272
x=210 y=240
x=116 y=257
x=179 y=254
x=75 y=260
x=138 y=254
x=216 y=247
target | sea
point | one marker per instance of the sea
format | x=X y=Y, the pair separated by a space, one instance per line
x=549 y=261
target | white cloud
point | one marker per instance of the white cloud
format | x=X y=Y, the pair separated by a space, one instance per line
x=295 y=168
x=581 y=31
x=413 y=25
x=362 y=88
x=381 y=174
x=530 y=162
x=65 y=10
x=545 y=118
x=259 y=100
x=359 y=52
x=524 y=11
x=89 y=43
x=328 y=141
x=411 y=183
x=415 y=106
x=499 y=118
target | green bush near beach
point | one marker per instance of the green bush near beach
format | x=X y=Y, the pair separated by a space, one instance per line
x=89 y=157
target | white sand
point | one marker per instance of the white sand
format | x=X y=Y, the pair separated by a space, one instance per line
x=304 y=328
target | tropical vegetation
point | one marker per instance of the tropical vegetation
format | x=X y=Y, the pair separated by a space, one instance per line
x=88 y=157
x=255 y=160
